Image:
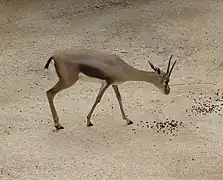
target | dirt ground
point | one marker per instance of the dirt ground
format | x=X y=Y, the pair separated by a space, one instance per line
x=179 y=136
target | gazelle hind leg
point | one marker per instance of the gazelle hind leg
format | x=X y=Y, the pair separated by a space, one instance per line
x=61 y=85
x=119 y=98
x=102 y=90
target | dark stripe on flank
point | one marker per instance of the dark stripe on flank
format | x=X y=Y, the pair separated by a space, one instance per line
x=93 y=72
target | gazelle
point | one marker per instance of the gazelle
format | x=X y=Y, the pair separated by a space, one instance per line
x=107 y=69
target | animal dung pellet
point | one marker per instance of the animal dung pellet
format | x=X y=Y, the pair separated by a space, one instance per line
x=207 y=105
x=167 y=127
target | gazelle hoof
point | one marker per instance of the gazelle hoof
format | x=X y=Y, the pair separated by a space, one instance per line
x=129 y=122
x=90 y=124
x=59 y=127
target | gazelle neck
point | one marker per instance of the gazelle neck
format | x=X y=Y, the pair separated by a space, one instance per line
x=140 y=75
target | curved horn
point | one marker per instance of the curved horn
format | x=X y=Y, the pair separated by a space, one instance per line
x=168 y=67
x=172 y=67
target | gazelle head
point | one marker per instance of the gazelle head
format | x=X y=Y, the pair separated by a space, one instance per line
x=163 y=78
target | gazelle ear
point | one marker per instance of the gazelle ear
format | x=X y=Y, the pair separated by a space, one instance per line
x=158 y=71
x=154 y=68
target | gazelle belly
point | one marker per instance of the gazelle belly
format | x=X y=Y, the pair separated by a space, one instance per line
x=86 y=78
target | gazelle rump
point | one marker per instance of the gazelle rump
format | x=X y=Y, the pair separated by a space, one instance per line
x=107 y=69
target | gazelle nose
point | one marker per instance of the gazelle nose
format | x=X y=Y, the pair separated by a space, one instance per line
x=167 y=91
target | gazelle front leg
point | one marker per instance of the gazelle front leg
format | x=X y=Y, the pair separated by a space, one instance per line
x=118 y=95
x=102 y=90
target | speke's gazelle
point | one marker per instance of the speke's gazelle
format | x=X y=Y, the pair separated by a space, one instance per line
x=107 y=69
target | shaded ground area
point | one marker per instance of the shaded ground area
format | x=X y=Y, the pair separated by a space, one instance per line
x=173 y=137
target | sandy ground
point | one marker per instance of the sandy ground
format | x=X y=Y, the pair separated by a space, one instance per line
x=191 y=147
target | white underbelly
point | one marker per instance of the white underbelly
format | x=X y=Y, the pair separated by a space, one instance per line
x=85 y=78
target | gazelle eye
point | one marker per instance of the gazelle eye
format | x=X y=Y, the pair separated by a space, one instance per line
x=166 y=81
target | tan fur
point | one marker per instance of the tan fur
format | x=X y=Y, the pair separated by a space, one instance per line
x=118 y=71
